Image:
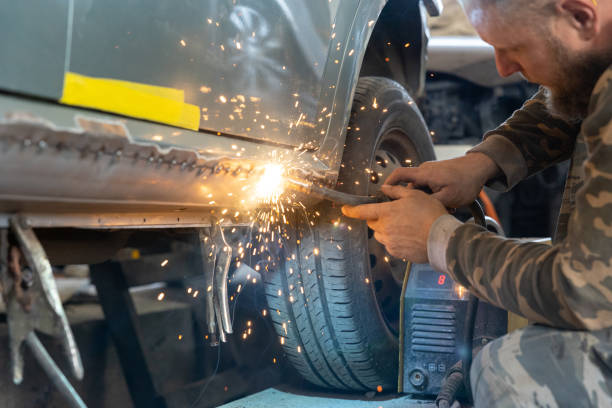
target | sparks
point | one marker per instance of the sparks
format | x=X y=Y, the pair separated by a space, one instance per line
x=271 y=185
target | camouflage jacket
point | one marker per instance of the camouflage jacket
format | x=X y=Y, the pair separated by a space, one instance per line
x=568 y=284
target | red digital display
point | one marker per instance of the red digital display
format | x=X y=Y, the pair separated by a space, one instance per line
x=441 y=279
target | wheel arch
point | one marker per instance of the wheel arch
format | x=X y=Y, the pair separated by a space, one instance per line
x=398 y=44
x=399 y=22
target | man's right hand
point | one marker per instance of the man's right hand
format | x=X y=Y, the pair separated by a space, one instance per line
x=455 y=182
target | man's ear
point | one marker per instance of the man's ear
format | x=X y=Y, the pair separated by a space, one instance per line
x=581 y=15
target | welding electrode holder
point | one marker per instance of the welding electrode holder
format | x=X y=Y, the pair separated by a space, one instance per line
x=339 y=197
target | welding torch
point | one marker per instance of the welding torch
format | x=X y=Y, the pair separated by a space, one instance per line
x=338 y=197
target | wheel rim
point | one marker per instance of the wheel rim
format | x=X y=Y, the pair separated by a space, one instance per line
x=395 y=149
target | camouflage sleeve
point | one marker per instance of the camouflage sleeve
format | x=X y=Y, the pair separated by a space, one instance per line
x=568 y=285
x=529 y=141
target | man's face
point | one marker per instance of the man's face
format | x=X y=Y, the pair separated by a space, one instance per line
x=530 y=47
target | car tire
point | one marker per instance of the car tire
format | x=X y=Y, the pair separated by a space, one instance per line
x=324 y=298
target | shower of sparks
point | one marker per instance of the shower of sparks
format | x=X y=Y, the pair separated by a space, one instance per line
x=271 y=184
x=276 y=219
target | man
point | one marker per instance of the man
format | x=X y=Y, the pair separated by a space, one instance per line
x=566 y=358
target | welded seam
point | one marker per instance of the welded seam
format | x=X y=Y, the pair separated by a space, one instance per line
x=332 y=333
x=315 y=337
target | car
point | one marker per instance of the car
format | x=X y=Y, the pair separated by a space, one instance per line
x=122 y=116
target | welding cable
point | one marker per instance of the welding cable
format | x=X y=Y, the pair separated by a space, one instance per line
x=451 y=386
x=489 y=208
x=196 y=402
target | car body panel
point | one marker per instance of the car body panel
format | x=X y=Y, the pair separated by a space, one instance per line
x=33 y=38
x=82 y=161
x=253 y=67
x=272 y=80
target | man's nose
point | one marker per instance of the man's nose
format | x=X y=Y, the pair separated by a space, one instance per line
x=505 y=65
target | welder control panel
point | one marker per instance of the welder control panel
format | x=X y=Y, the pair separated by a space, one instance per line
x=434 y=320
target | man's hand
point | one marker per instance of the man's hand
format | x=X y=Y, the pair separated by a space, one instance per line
x=456 y=182
x=403 y=225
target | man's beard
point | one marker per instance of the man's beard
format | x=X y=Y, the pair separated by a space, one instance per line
x=578 y=74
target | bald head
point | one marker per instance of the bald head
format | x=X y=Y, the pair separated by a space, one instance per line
x=526 y=9
x=509 y=3
x=563 y=45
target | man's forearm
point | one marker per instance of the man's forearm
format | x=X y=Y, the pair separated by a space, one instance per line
x=506 y=167
x=529 y=141
x=487 y=169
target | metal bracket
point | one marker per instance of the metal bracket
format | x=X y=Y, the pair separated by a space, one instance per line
x=216 y=256
x=32 y=299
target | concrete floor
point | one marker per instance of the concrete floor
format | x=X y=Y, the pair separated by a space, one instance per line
x=288 y=397
x=179 y=358
x=177 y=365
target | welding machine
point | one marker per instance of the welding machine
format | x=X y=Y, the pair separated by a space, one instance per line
x=435 y=327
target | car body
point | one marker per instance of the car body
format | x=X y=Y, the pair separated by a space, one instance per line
x=149 y=114
x=168 y=115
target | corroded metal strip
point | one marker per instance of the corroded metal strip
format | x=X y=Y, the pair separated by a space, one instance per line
x=62 y=165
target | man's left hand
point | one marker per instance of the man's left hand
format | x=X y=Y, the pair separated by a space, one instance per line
x=402 y=225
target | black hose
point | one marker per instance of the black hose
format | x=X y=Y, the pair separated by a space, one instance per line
x=452 y=384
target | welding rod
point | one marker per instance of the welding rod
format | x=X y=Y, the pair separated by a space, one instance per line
x=338 y=197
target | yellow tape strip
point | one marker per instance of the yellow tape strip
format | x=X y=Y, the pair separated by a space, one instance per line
x=154 y=103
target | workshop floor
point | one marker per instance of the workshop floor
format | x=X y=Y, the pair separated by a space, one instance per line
x=288 y=397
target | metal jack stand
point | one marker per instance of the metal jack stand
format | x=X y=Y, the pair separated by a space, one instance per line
x=124 y=328
x=217 y=256
x=33 y=303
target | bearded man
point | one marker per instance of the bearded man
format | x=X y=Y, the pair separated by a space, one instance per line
x=565 y=359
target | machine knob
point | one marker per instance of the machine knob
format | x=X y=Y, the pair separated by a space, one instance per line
x=418 y=379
